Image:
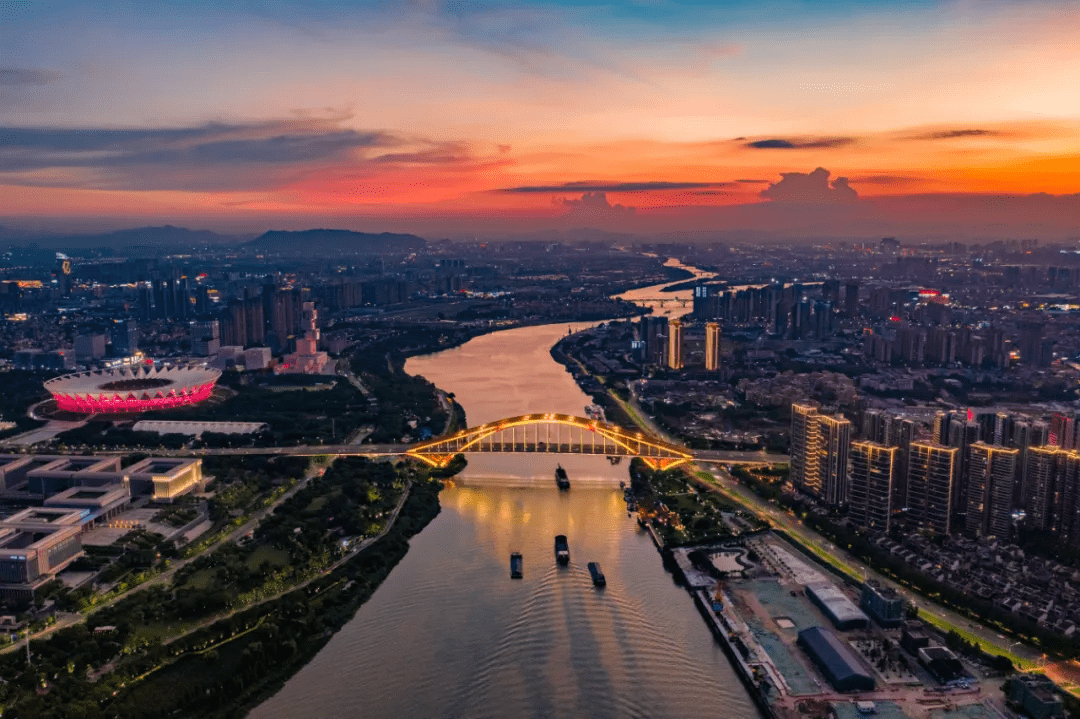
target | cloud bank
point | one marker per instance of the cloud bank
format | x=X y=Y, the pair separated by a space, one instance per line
x=601 y=187
x=209 y=157
x=810 y=188
x=799 y=144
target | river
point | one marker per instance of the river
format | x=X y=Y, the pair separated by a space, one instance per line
x=449 y=634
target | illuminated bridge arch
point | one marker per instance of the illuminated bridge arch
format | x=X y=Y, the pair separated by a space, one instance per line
x=555 y=433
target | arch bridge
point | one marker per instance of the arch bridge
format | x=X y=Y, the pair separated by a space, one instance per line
x=555 y=433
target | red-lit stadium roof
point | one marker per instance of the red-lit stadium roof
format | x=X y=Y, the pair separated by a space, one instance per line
x=133 y=389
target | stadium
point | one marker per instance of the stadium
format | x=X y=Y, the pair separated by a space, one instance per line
x=133 y=389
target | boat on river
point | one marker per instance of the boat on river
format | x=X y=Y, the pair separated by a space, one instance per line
x=598 y=578
x=517 y=565
x=562 y=549
x=561 y=478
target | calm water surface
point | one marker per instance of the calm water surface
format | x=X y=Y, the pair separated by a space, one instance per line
x=449 y=634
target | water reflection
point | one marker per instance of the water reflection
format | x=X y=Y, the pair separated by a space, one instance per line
x=449 y=634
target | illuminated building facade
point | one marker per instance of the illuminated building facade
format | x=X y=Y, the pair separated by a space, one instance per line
x=712 y=346
x=872 y=469
x=931 y=482
x=675 y=345
x=133 y=389
x=991 y=474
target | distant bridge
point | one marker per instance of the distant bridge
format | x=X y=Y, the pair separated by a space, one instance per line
x=684 y=301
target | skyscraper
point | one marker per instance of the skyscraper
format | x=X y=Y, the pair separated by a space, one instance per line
x=1066 y=519
x=819 y=453
x=931 y=481
x=1063 y=430
x=124 y=335
x=901 y=436
x=307 y=359
x=1031 y=343
x=991 y=472
x=834 y=437
x=1044 y=464
x=962 y=433
x=712 y=346
x=872 y=470
x=654 y=331
x=254 y=323
x=804 y=442
x=851 y=298
x=675 y=345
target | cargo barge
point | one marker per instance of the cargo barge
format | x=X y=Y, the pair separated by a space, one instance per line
x=598 y=578
x=561 y=478
x=517 y=565
x=562 y=549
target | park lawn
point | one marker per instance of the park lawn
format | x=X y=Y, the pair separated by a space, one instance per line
x=316 y=505
x=201 y=579
x=265 y=553
x=159 y=632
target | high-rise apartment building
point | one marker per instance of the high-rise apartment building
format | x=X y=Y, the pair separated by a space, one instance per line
x=712 y=346
x=872 y=473
x=962 y=434
x=834 y=440
x=804 y=442
x=1063 y=430
x=675 y=345
x=851 y=298
x=991 y=472
x=819 y=453
x=124 y=335
x=1044 y=465
x=1066 y=519
x=654 y=332
x=1032 y=345
x=931 y=480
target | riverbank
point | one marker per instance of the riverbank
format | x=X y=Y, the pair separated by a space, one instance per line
x=226 y=669
x=270 y=600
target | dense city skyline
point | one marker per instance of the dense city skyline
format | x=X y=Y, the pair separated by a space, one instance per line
x=942 y=118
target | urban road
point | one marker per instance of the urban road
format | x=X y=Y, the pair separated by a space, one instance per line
x=1066 y=672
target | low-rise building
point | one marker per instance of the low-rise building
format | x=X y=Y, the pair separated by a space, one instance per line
x=164 y=479
x=841 y=666
x=95 y=504
x=66 y=472
x=942 y=664
x=883 y=604
x=840 y=610
x=31 y=557
x=1036 y=695
x=196 y=429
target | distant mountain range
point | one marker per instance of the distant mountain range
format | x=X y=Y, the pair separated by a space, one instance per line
x=331 y=242
x=165 y=237
x=150 y=241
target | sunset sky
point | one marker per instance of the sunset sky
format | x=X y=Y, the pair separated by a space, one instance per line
x=458 y=116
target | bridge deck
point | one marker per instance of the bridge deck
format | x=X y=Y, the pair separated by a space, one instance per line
x=389 y=450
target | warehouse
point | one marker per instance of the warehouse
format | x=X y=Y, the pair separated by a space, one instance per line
x=836 y=660
x=836 y=606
